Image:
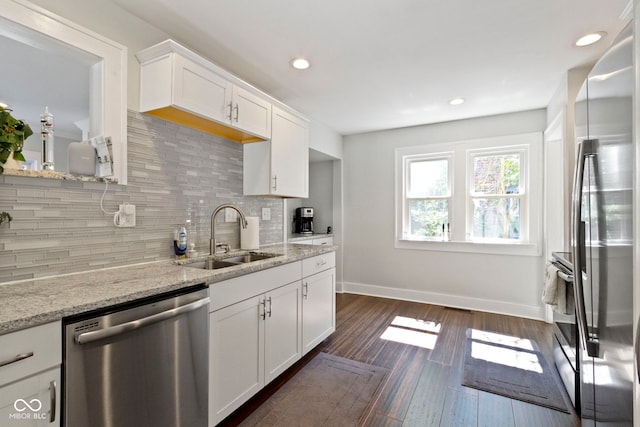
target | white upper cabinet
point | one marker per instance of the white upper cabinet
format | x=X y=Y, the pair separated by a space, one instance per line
x=178 y=85
x=250 y=112
x=279 y=167
x=195 y=88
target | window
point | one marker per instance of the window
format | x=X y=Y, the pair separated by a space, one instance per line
x=497 y=194
x=470 y=196
x=428 y=194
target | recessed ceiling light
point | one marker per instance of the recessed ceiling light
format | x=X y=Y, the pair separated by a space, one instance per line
x=300 y=63
x=456 y=101
x=591 y=38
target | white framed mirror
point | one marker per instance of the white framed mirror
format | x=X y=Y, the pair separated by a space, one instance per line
x=78 y=74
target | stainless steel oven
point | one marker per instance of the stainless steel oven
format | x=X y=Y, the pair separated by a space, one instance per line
x=141 y=365
x=565 y=332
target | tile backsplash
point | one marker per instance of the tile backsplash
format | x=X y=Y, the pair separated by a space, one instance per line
x=176 y=176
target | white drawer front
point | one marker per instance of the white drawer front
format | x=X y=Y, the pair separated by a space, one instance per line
x=234 y=290
x=26 y=352
x=318 y=263
x=323 y=241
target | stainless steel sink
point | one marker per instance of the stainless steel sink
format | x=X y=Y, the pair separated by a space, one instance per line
x=250 y=257
x=210 y=264
x=230 y=261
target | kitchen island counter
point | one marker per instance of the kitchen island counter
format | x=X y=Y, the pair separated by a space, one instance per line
x=29 y=303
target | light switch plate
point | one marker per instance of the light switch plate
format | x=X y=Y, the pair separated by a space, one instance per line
x=266 y=214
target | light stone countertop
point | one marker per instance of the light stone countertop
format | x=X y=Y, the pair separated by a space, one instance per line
x=34 y=302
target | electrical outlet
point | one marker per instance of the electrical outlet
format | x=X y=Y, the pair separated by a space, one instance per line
x=126 y=216
x=230 y=215
x=266 y=214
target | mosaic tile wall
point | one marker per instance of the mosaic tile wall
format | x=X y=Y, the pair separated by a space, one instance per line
x=175 y=174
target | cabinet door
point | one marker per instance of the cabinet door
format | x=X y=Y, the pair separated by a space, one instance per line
x=289 y=155
x=251 y=113
x=237 y=359
x=318 y=308
x=33 y=401
x=282 y=329
x=201 y=91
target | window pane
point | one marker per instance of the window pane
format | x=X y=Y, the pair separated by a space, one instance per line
x=496 y=218
x=429 y=178
x=496 y=174
x=427 y=216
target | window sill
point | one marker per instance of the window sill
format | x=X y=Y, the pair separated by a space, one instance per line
x=517 y=249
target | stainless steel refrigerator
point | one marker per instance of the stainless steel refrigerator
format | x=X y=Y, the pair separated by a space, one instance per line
x=602 y=214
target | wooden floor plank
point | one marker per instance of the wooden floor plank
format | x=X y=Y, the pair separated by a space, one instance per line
x=460 y=409
x=494 y=410
x=428 y=399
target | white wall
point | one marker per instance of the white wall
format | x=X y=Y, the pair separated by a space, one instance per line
x=505 y=284
x=325 y=140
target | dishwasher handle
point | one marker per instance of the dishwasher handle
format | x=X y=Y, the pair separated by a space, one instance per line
x=88 y=337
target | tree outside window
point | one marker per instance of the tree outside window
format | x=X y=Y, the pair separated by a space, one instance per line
x=496 y=196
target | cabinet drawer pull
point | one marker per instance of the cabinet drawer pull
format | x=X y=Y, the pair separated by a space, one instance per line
x=18 y=358
x=52 y=401
x=320 y=263
x=237 y=108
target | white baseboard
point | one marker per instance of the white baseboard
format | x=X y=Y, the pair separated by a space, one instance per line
x=477 y=304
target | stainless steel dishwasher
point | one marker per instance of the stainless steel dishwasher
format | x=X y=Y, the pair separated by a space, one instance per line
x=141 y=365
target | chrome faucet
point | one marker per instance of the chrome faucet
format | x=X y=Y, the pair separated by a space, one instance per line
x=212 y=241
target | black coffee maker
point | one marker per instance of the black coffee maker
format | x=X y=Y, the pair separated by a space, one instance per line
x=304 y=221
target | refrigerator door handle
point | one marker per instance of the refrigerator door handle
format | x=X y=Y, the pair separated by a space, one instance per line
x=585 y=150
x=637 y=348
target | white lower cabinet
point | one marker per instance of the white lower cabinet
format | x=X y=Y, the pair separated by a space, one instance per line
x=236 y=350
x=254 y=340
x=30 y=376
x=32 y=401
x=318 y=308
x=318 y=300
x=283 y=336
x=262 y=323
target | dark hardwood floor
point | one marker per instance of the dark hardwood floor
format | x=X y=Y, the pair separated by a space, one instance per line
x=423 y=387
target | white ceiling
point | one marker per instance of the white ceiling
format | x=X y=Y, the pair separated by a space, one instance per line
x=380 y=64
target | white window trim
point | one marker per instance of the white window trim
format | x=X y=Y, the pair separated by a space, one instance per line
x=460 y=205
